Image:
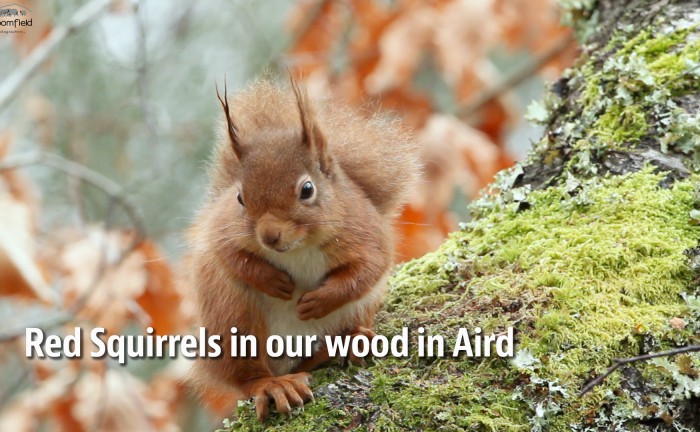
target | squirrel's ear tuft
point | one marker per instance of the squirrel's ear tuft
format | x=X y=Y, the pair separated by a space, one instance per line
x=311 y=132
x=230 y=127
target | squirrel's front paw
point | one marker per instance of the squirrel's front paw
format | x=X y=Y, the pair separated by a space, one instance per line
x=276 y=283
x=315 y=304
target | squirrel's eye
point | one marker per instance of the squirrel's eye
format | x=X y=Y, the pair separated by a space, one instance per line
x=240 y=200
x=307 y=191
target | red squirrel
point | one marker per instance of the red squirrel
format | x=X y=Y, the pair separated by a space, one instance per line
x=296 y=234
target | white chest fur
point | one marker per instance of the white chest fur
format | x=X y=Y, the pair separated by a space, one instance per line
x=307 y=267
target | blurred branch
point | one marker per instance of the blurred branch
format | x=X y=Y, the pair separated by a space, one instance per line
x=621 y=362
x=473 y=106
x=12 y=84
x=112 y=189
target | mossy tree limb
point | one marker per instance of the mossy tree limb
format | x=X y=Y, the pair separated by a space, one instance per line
x=588 y=249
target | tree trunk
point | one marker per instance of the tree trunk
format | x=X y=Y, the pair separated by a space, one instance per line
x=587 y=249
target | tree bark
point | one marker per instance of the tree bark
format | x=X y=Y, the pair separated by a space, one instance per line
x=588 y=249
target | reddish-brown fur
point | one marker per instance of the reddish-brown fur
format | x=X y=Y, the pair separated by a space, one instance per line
x=315 y=266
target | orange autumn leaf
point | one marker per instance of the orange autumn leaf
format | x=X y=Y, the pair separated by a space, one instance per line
x=451 y=149
x=316 y=26
x=62 y=415
x=465 y=32
x=535 y=26
x=100 y=270
x=414 y=107
x=20 y=272
x=168 y=386
x=160 y=299
x=420 y=230
x=401 y=49
x=495 y=117
x=371 y=22
x=453 y=154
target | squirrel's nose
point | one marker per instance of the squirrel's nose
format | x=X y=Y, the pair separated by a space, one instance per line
x=271 y=237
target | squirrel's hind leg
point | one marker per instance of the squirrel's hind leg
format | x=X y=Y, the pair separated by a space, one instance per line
x=321 y=357
x=355 y=332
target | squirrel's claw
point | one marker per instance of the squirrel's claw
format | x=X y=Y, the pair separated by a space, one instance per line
x=286 y=391
x=262 y=405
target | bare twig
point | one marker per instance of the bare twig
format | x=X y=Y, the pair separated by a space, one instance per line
x=621 y=362
x=12 y=84
x=474 y=105
x=147 y=107
x=87 y=175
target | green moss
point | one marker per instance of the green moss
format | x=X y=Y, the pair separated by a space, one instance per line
x=591 y=281
x=621 y=125
x=433 y=269
x=650 y=47
x=581 y=284
x=322 y=413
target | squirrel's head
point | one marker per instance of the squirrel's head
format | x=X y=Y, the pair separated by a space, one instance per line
x=283 y=175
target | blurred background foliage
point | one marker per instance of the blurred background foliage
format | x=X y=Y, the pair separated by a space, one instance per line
x=129 y=96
